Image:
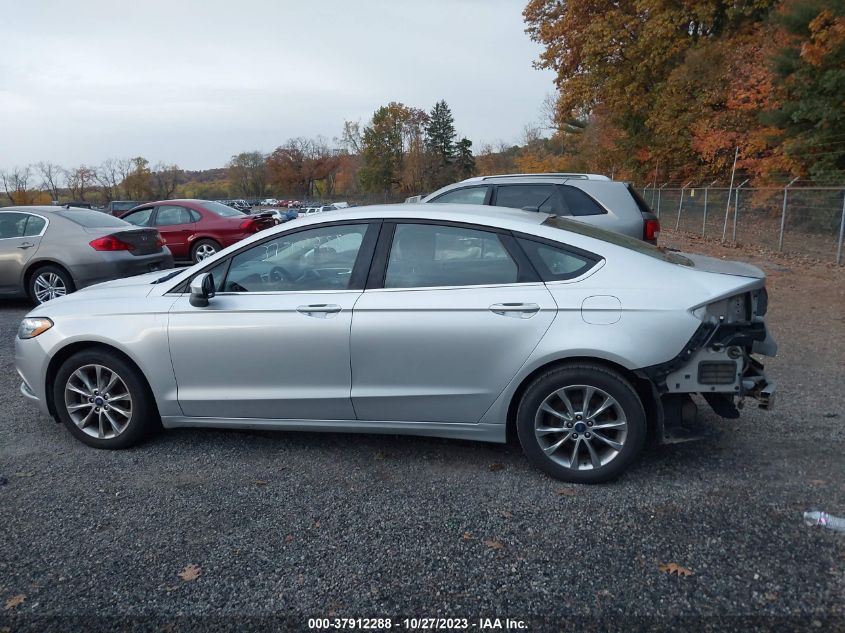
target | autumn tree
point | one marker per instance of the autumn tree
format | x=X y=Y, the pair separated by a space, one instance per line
x=164 y=179
x=384 y=144
x=247 y=174
x=81 y=181
x=52 y=177
x=809 y=78
x=136 y=182
x=17 y=185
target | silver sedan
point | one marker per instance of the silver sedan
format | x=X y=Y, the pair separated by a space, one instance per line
x=437 y=321
x=48 y=252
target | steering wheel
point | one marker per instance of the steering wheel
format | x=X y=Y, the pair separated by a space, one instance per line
x=278 y=273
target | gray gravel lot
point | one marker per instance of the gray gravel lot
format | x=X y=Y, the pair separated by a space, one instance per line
x=294 y=526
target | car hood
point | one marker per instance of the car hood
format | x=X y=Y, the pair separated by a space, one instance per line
x=723 y=267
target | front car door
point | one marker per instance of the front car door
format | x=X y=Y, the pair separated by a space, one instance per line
x=273 y=343
x=450 y=314
x=20 y=236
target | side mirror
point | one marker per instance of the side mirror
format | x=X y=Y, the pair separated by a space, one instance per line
x=202 y=289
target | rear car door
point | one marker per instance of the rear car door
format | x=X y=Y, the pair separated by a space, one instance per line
x=274 y=342
x=176 y=225
x=20 y=237
x=450 y=313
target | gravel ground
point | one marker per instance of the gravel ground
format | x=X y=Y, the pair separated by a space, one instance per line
x=285 y=526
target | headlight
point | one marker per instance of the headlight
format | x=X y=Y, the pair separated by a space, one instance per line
x=32 y=327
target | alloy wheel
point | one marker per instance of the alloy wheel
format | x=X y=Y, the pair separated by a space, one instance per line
x=49 y=285
x=204 y=251
x=98 y=401
x=581 y=427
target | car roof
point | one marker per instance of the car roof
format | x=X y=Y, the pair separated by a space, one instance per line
x=541 y=176
x=500 y=217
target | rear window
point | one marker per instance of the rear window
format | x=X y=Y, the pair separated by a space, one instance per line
x=220 y=209
x=641 y=203
x=91 y=219
x=617 y=239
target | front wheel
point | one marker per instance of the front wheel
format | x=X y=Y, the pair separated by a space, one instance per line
x=103 y=400
x=581 y=423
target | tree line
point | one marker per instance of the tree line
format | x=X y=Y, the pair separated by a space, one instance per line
x=401 y=151
x=669 y=90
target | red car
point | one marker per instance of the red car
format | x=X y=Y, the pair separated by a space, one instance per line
x=196 y=229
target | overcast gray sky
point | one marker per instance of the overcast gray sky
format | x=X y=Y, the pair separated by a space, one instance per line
x=195 y=81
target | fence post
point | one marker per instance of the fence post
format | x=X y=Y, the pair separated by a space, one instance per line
x=659 y=190
x=730 y=190
x=841 y=232
x=783 y=213
x=736 y=207
x=681 y=205
x=704 y=221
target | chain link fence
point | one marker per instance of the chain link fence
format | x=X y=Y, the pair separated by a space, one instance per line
x=805 y=220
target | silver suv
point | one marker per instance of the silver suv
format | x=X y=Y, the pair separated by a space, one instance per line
x=590 y=198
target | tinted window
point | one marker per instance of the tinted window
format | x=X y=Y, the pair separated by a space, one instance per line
x=34 y=225
x=425 y=255
x=467 y=195
x=536 y=197
x=195 y=216
x=220 y=209
x=12 y=225
x=579 y=203
x=92 y=219
x=169 y=215
x=555 y=263
x=317 y=259
x=617 y=239
x=139 y=218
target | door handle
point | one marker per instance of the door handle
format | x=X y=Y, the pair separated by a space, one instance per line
x=515 y=310
x=319 y=310
x=26 y=245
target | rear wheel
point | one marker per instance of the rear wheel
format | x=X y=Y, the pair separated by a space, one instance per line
x=581 y=423
x=204 y=249
x=49 y=282
x=103 y=400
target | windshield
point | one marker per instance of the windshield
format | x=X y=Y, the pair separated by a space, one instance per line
x=221 y=209
x=91 y=219
x=617 y=239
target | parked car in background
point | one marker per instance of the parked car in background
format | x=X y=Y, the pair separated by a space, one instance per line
x=119 y=207
x=78 y=204
x=467 y=323
x=48 y=252
x=269 y=202
x=589 y=198
x=196 y=229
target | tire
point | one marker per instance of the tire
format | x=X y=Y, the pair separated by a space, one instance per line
x=49 y=282
x=604 y=440
x=203 y=249
x=108 y=425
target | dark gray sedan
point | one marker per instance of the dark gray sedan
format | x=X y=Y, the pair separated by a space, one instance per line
x=48 y=252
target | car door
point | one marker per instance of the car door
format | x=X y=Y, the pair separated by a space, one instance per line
x=176 y=224
x=274 y=342
x=450 y=313
x=20 y=237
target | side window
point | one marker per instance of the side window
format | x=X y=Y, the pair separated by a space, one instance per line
x=12 y=225
x=579 y=203
x=169 y=215
x=139 y=218
x=426 y=255
x=194 y=215
x=316 y=259
x=541 y=198
x=556 y=263
x=467 y=195
x=218 y=273
x=34 y=226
